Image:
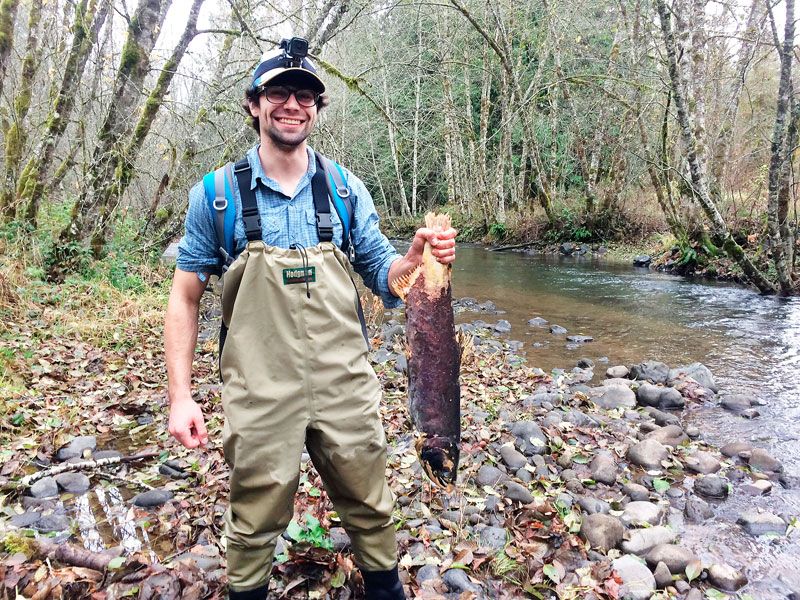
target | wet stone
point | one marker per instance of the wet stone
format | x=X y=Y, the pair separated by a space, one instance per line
x=592 y=506
x=602 y=531
x=76 y=447
x=761 y=460
x=74 y=483
x=736 y=403
x=756 y=523
x=750 y=413
x=537 y=322
x=711 y=486
x=44 y=488
x=662 y=418
x=636 y=492
x=726 y=578
x=675 y=557
x=669 y=435
x=648 y=454
x=512 y=457
x=427 y=573
x=458 y=581
x=524 y=475
x=619 y=371
x=489 y=475
x=339 y=539
x=697 y=371
x=760 y=487
x=26 y=519
x=557 y=330
x=662 y=575
x=638 y=583
x=734 y=448
x=530 y=437
x=171 y=472
x=702 y=462
x=54 y=522
x=580 y=339
x=641 y=541
x=518 y=493
x=610 y=396
x=652 y=370
x=585 y=363
x=151 y=498
x=106 y=454
x=493 y=537
x=604 y=468
x=639 y=513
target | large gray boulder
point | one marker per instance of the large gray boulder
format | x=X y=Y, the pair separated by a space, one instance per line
x=761 y=523
x=638 y=583
x=602 y=531
x=648 y=454
x=654 y=371
x=675 y=557
x=76 y=447
x=613 y=396
x=640 y=541
x=697 y=371
x=530 y=437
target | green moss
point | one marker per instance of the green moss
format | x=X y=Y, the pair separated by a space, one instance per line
x=131 y=56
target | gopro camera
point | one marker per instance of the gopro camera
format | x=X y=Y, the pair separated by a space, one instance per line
x=295 y=50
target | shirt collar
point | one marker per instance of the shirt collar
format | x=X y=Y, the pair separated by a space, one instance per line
x=257 y=171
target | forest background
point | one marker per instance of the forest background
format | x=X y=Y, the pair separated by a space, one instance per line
x=528 y=121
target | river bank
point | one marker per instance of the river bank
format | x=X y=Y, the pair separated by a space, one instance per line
x=566 y=474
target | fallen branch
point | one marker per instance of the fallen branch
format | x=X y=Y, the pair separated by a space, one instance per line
x=75 y=556
x=512 y=247
x=28 y=480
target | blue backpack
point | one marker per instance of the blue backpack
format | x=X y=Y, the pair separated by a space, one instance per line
x=328 y=187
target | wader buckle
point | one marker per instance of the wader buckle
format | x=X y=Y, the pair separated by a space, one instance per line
x=325 y=226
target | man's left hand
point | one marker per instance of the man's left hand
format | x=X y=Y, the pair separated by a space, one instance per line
x=443 y=245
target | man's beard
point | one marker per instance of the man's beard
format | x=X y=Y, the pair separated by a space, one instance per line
x=286 y=142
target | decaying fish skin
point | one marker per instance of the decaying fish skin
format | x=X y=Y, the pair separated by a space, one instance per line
x=433 y=362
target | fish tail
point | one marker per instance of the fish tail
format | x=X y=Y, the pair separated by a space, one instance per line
x=439 y=458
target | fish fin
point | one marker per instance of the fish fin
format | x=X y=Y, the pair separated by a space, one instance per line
x=401 y=286
x=466 y=346
x=437 y=221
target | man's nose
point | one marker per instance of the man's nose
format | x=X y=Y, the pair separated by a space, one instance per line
x=291 y=101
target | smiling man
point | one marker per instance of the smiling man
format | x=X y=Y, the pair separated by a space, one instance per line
x=294 y=364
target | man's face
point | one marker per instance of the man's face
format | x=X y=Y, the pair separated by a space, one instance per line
x=287 y=124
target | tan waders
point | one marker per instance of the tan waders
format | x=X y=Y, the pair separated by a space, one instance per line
x=295 y=372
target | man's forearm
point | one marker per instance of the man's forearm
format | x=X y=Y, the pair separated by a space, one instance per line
x=180 y=338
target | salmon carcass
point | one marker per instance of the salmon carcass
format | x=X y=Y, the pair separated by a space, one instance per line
x=434 y=358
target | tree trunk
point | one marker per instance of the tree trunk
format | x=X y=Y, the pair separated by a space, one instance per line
x=16 y=136
x=31 y=188
x=8 y=14
x=90 y=213
x=777 y=204
x=127 y=159
x=697 y=167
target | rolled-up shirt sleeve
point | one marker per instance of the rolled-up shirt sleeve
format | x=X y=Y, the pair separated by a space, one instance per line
x=197 y=250
x=374 y=253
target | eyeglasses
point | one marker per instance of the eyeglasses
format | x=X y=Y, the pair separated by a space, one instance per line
x=279 y=94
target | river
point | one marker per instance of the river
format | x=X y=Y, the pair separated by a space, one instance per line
x=751 y=344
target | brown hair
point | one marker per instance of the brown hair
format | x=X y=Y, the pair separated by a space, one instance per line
x=251 y=96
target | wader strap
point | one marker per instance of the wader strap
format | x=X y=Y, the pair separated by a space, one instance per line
x=250 y=216
x=322 y=204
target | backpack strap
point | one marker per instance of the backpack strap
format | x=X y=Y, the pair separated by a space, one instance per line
x=339 y=195
x=219 y=195
x=250 y=216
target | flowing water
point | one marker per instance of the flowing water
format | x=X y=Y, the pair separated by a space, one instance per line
x=751 y=344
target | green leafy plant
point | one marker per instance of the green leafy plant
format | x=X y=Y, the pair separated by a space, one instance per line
x=313 y=533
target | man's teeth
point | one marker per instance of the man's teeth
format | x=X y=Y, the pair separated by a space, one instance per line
x=290 y=121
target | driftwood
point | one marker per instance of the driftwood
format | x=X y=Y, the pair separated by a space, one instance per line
x=512 y=247
x=28 y=480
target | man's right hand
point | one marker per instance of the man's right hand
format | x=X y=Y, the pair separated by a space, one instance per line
x=186 y=423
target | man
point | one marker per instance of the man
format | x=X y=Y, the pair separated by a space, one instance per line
x=294 y=364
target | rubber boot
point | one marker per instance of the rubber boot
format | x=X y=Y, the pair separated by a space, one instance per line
x=383 y=585
x=259 y=593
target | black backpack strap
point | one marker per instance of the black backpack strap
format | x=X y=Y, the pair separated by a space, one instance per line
x=322 y=204
x=250 y=216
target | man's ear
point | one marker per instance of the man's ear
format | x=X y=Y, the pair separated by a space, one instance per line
x=254 y=108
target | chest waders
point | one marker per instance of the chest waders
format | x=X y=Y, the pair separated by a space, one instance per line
x=295 y=371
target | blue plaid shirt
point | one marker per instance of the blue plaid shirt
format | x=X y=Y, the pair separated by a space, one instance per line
x=290 y=220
